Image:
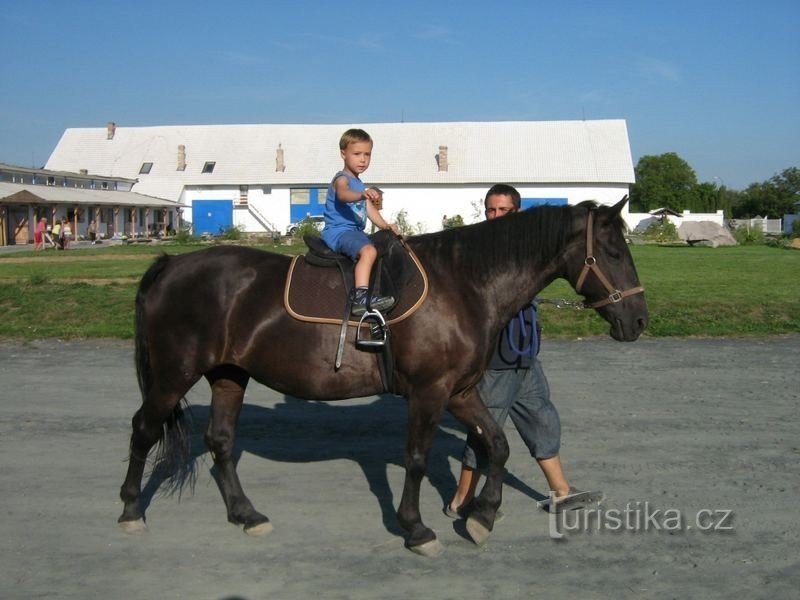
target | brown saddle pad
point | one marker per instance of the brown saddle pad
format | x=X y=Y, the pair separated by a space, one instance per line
x=317 y=294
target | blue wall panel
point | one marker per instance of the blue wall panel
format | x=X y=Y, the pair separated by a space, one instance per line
x=531 y=202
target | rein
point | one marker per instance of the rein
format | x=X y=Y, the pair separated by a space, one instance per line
x=590 y=264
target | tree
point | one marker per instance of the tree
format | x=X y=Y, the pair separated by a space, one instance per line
x=663 y=181
x=773 y=198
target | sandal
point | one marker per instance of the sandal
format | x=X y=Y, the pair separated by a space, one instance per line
x=574 y=500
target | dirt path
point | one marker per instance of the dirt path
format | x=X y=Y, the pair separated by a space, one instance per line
x=705 y=432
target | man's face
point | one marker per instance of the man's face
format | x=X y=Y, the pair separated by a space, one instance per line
x=499 y=205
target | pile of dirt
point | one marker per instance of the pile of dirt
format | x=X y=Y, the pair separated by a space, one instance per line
x=705 y=233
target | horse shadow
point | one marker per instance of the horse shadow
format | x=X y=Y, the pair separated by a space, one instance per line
x=371 y=435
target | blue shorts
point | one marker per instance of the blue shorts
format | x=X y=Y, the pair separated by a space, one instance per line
x=523 y=395
x=350 y=243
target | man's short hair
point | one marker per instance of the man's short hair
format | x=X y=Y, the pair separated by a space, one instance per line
x=501 y=189
x=353 y=135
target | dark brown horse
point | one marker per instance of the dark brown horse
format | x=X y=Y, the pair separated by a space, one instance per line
x=219 y=314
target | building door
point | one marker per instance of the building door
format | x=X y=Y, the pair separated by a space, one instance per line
x=18 y=225
x=212 y=217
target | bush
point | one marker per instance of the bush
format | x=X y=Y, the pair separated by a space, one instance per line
x=661 y=231
x=306 y=228
x=749 y=235
x=234 y=232
x=455 y=221
x=406 y=228
x=184 y=236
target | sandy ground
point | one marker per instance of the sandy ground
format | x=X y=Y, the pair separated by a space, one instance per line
x=696 y=444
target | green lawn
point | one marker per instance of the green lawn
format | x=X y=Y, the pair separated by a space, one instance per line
x=743 y=290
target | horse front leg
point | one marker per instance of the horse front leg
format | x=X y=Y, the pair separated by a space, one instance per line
x=423 y=419
x=227 y=387
x=470 y=410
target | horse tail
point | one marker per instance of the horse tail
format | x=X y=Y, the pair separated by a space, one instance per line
x=142 y=350
x=173 y=461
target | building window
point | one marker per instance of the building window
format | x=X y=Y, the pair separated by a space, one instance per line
x=300 y=196
x=51 y=180
x=145 y=168
x=104 y=185
x=208 y=167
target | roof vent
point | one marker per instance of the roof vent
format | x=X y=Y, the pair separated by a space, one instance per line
x=441 y=158
x=181 y=158
x=84 y=171
x=111 y=129
x=280 y=166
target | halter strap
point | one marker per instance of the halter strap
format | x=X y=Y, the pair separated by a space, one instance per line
x=590 y=264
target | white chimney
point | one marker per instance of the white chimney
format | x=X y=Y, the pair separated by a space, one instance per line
x=441 y=158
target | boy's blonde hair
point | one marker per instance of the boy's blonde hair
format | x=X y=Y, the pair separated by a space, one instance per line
x=353 y=135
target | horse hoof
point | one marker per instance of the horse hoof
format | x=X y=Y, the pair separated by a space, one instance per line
x=430 y=549
x=478 y=532
x=137 y=526
x=259 y=530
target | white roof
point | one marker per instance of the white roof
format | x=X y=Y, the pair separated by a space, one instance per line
x=68 y=195
x=517 y=152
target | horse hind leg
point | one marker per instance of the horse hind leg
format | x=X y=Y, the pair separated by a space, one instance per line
x=227 y=396
x=148 y=429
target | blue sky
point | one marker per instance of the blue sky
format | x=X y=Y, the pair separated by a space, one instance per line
x=718 y=82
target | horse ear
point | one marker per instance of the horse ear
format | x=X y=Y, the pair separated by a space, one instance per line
x=617 y=208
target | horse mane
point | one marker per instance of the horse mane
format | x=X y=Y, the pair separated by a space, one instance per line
x=538 y=234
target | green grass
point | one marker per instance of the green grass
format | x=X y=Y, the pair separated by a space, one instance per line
x=743 y=290
x=740 y=290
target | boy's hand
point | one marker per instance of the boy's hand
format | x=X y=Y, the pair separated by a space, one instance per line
x=373 y=194
x=394 y=228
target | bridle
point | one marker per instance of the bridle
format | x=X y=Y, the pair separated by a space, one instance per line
x=590 y=264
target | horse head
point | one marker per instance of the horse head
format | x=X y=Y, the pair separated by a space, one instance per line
x=600 y=268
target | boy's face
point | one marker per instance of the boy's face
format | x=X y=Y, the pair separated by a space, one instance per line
x=357 y=156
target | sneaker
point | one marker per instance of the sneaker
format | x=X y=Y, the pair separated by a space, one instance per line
x=380 y=303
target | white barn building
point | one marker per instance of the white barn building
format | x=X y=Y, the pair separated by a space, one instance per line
x=263 y=177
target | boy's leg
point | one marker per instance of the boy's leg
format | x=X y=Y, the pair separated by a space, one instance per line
x=358 y=246
x=364 y=264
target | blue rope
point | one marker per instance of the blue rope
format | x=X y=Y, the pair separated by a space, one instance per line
x=528 y=332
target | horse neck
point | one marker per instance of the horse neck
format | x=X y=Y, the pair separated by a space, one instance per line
x=497 y=267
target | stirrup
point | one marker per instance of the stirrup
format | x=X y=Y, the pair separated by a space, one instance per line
x=378 y=330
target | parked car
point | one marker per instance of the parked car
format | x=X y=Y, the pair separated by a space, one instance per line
x=318 y=223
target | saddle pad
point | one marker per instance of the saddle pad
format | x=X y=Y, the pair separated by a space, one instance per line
x=317 y=294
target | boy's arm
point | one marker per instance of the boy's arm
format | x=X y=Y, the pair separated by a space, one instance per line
x=344 y=193
x=375 y=216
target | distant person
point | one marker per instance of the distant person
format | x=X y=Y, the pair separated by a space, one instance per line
x=38 y=234
x=92 y=231
x=48 y=236
x=348 y=205
x=59 y=239
x=66 y=234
